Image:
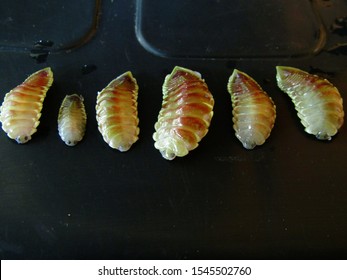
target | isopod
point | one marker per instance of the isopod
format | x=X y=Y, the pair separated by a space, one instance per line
x=20 y=111
x=254 y=112
x=186 y=113
x=72 y=119
x=116 y=112
x=318 y=103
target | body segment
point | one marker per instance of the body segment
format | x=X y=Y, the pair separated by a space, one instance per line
x=186 y=113
x=72 y=119
x=116 y=112
x=21 y=110
x=254 y=112
x=318 y=103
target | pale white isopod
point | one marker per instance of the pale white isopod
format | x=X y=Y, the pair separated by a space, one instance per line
x=72 y=119
x=318 y=103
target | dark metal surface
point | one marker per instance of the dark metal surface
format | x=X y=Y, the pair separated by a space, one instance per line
x=285 y=199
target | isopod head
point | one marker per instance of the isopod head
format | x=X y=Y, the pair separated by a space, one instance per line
x=318 y=103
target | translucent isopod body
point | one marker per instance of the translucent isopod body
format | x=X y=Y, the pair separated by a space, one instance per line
x=21 y=110
x=72 y=119
x=317 y=102
x=186 y=113
x=116 y=112
x=254 y=112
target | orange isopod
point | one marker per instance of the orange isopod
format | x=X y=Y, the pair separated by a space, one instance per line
x=186 y=113
x=116 y=112
x=21 y=110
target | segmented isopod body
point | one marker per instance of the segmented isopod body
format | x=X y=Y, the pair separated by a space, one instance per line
x=317 y=101
x=72 y=119
x=186 y=113
x=21 y=110
x=254 y=112
x=116 y=112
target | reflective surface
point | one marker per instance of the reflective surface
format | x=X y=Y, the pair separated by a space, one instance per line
x=229 y=29
x=61 y=25
x=285 y=199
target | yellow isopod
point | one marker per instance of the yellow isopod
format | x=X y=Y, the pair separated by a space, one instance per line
x=318 y=103
x=21 y=110
x=116 y=112
x=254 y=112
x=186 y=113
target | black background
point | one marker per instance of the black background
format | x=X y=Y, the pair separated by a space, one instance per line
x=286 y=199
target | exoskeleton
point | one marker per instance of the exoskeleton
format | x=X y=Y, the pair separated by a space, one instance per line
x=186 y=113
x=21 y=110
x=254 y=112
x=72 y=119
x=317 y=102
x=116 y=112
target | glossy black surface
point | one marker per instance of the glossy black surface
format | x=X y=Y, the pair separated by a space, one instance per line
x=224 y=29
x=285 y=199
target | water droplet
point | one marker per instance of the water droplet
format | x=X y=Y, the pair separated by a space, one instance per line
x=43 y=44
x=88 y=68
x=339 y=26
x=39 y=55
x=40 y=50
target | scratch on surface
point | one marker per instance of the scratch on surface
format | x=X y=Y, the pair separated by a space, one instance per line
x=127 y=55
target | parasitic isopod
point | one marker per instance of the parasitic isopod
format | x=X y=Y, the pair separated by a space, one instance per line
x=318 y=103
x=21 y=110
x=254 y=112
x=72 y=119
x=186 y=113
x=116 y=112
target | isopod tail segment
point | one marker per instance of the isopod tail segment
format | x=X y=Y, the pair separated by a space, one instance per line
x=254 y=112
x=318 y=103
x=21 y=110
x=185 y=115
x=116 y=112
